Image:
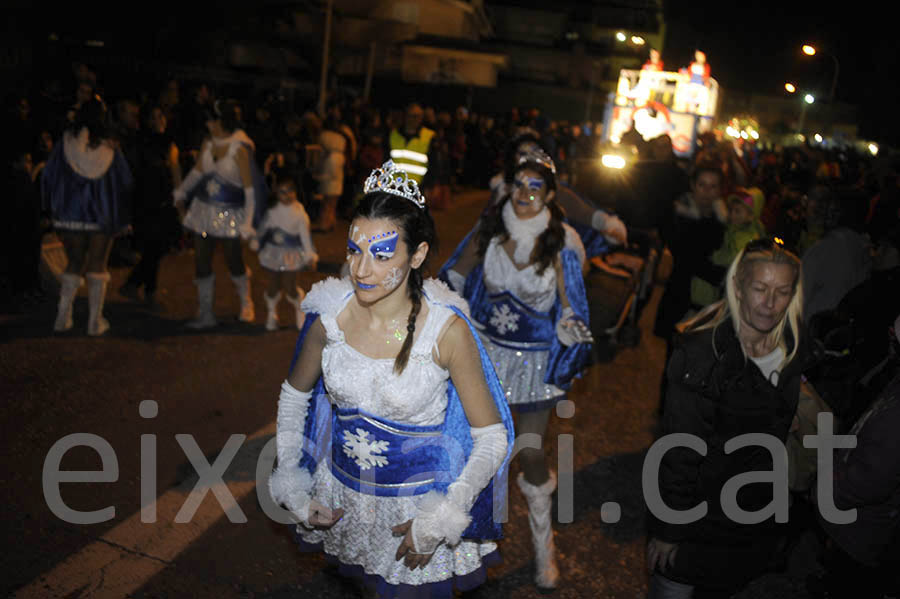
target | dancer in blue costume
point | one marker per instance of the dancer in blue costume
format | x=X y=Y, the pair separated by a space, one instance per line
x=227 y=196
x=406 y=490
x=522 y=274
x=599 y=230
x=86 y=186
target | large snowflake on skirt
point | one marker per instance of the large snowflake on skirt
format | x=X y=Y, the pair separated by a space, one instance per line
x=503 y=319
x=364 y=450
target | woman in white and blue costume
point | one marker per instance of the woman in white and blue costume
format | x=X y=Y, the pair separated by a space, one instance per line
x=225 y=194
x=86 y=186
x=522 y=274
x=406 y=490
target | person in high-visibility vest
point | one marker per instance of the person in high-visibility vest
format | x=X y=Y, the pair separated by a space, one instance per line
x=409 y=148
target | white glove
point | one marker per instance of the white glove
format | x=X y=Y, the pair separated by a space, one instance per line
x=187 y=184
x=246 y=228
x=612 y=227
x=571 y=330
x=290 y=484
x=445 y=517
x=457 y=281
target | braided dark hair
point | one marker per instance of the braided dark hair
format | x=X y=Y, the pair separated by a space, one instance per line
x=548 y=244
x=92 y=115
x=417 y=226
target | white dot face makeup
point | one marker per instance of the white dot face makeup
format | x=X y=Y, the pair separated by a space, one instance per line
x=529 y=193
x=378 y=262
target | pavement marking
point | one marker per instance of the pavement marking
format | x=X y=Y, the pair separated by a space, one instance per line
x=126 y=557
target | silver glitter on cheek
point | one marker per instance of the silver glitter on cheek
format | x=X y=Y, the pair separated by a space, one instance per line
x=392 y=279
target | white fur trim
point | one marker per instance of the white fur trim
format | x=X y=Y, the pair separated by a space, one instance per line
x=439 y=293
x=289 y=485
x=91 y=163
x=327 y=297
x=438 y=519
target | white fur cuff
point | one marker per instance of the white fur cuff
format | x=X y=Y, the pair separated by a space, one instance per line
x=439 y=519
x=289 y=486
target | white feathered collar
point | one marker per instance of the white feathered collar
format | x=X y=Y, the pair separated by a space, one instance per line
x=238 y=135
x=524 y=232
x=329 y=296
x=91 y=163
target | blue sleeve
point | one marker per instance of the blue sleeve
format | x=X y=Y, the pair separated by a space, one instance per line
x=317 y=431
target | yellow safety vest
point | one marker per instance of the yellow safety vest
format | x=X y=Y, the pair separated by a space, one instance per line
x=412 y=155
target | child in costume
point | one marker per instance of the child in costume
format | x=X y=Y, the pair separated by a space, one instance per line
x=285 y=248
x=744 y=209
x=401 y=492
x=522 y=274
x=226 y=190
x=86 y=187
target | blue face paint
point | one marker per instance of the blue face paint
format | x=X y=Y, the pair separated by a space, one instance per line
x=353 y=247
x=384 y=245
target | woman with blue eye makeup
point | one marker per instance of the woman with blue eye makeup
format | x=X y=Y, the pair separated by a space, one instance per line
x=522 y=274
x=400 y=492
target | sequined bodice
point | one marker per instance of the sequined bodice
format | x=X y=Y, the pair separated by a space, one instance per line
x=353 y=380
x=500 y=274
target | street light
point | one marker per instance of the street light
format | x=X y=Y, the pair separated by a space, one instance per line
x=789 y=88
x=807 y=100
x=637 y=40
x=811 y=51
x=621 y=36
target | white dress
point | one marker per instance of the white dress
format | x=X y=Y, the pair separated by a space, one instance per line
x=418 y=396
x=212 y=219
x=522 y=372
x=281 y=227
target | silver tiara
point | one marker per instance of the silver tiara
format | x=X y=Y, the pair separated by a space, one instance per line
x=538 y=156
x=392 y=179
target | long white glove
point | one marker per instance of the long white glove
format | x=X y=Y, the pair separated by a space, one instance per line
x=289 y=484
x=246 y=228
x=187 y=184
x=571 y=330
x=445 y=517
x=457 y=281
x=611 y=226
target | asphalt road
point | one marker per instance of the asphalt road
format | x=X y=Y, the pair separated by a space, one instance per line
x=209 y=387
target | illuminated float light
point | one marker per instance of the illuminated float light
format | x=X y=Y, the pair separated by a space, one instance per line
x=612 y=161
x=744 y=135
x=637 y=40
x=801 y=137
x=809 y=50
x=732 y=132
x=873 y=149
x=621 y=37
x=809 y=98
x=615 y=139
x=790 y=88
x=754 y=134
x=818 y=138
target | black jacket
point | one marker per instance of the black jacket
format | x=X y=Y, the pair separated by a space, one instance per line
x=718 y=394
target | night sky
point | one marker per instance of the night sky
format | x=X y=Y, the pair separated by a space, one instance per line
x=750 y=45
x=755 y=46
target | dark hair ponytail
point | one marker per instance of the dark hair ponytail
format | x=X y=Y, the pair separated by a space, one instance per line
x=91 y=115
x=417 y=226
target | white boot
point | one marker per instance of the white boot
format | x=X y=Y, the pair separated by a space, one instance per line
x=540 y=501
x=68 y=288
x=97 y=282
x=205 y=318
x=272 y=311
x=296 y=301
x=242 y=285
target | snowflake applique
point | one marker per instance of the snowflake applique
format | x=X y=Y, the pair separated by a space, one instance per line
x=363 y=450
x=278 y=238
x=503 y=319
x=392 y=278
x=213 y=187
